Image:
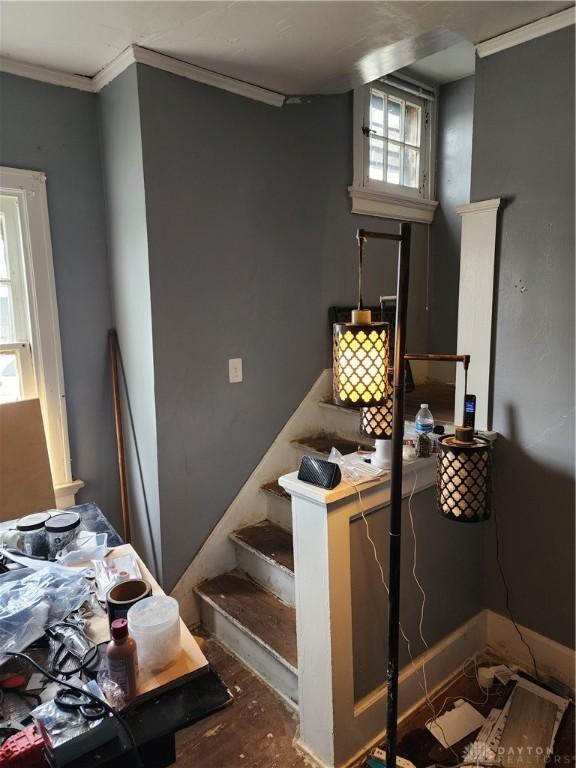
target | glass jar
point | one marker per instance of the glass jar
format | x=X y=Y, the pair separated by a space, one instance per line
x=33 y=538
x=61 y=530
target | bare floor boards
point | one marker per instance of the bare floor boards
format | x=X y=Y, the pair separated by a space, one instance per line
x=257 y=730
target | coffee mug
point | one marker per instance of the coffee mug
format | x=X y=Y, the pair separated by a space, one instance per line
x=121 y=597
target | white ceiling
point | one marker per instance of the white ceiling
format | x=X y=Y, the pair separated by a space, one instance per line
x=290 y=47
x=445 y=66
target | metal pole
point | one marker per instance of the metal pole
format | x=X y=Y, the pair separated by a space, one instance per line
x=396 y=494
x=113 y=349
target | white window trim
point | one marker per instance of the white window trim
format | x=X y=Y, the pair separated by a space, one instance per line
x=30 y=189
x=376 y=198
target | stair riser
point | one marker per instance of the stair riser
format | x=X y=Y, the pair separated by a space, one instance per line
x=280 y=511
x=268 y=574
x=252 y=653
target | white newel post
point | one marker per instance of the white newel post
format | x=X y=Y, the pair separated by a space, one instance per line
x=475 y=298
x=334 y=728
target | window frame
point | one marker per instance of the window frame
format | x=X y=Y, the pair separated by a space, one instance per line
x=43 y=345
x=382 y=198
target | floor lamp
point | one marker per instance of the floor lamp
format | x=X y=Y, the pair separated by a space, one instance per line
x=361 y=380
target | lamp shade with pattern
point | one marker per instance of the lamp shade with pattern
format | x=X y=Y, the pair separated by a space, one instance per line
x=361 y=361
x=376 y=421
x=464 y=490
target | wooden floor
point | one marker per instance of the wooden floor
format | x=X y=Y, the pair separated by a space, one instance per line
x=257 y=730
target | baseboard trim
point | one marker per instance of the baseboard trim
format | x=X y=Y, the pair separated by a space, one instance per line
x=554 y=661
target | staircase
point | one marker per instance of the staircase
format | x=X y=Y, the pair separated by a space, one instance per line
x=250 y=608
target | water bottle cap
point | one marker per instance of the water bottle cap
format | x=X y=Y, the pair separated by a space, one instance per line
x=423 y=405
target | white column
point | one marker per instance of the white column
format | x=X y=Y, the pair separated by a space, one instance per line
x=477 y=254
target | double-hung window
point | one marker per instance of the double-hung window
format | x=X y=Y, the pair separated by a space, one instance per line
x=393 y=152
x=30 y=351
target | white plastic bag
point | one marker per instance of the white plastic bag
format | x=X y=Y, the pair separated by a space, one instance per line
x=354 y=469
x=31 y=600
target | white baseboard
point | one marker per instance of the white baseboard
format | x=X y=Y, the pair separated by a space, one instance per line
x=554 y=661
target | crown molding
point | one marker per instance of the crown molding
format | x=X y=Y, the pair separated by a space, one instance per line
x=45 y=75
x=113 y=69
x=480 y=207
x=135 y=54
x=206 y=76
x=528 y=32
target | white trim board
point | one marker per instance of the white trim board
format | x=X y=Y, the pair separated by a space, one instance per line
x=528 y=32
x=136 y=54
x=46 y=75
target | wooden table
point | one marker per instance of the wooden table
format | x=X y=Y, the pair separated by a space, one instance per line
x=167 y=701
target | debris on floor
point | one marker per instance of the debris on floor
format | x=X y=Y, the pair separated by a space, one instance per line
x=454 y=725
x=522 y=732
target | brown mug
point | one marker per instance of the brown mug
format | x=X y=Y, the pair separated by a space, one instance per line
x=122 y=596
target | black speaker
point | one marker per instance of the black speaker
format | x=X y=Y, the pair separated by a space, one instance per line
x=324 y=474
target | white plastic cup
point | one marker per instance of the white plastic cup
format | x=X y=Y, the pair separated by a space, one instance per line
x=154 y=623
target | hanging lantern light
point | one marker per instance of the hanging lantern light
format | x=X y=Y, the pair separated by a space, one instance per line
x=464 y=490
x=376 y=422
x=361 y=361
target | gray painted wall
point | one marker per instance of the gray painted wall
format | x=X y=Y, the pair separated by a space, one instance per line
x=251 y=240
x=53 y=129
x=524 y=153
x=448 y=565
x=129 y=268
x=456 y=109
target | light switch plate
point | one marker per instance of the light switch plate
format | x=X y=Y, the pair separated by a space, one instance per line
x=235 y=370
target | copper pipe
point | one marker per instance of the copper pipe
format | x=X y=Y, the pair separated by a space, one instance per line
x=440 y=358
x=113 y=349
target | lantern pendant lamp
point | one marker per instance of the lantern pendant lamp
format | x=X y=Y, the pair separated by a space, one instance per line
x=376 y=422
x=464 y=490
x=361 y=361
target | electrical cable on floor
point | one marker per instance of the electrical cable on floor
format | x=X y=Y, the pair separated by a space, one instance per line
x=431 y=706
x=435 y=714
x=101 y=702
x=507 y=588
x=424 y=688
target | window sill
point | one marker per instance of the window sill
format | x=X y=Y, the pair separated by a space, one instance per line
x=387 y=206
x=65 y=494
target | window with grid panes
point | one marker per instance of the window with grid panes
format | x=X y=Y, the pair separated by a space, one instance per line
x=393 y=141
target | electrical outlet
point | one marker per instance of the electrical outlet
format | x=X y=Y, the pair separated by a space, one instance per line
x=235 y=370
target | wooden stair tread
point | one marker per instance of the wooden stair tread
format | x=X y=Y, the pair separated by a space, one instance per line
x=323 y=442
x=275 y=489
x=273 y=542
x=259 y=612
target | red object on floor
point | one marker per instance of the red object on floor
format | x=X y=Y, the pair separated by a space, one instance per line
x=23 y=750
x=14 y=681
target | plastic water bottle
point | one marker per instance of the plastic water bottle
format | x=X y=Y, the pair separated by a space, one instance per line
x=424 y=420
